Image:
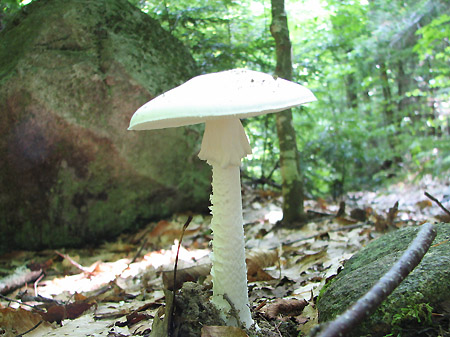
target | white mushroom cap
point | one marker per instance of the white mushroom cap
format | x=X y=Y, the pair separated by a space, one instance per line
x=237 y=93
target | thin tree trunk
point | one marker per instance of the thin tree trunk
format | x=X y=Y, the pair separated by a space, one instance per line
x=401 y=89
x=388 y=105
x=292 y=183
x=350 y=90
x=387 y=95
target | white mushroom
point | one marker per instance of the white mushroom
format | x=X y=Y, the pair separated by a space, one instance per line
x=219 y=100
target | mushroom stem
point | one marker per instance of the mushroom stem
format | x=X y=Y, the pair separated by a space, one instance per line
x=229 y=271
x=224 y=145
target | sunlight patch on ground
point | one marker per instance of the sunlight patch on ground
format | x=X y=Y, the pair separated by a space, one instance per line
x=101 y=273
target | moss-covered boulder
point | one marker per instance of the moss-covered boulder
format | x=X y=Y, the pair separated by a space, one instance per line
x=72 y=73
x=409 y=308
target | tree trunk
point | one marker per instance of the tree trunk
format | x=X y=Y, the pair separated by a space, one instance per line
x=350 y=90
x=292 y=183
x=387 y=95
x=401 y=89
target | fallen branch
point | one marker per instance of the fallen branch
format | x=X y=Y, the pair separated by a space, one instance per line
x=383 y=288
x=21 y=275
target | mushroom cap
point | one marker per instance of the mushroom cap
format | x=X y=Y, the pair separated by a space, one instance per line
x=237 y=93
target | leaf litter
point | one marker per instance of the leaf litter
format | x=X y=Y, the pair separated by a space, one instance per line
x=120 y=287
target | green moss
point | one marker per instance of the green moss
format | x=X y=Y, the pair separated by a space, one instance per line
x=425 y=288
x=414 y=313
x=325 y=287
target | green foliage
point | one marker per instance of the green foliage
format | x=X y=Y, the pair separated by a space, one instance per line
x=221 y=34
x=378 y=68
x=434 y=46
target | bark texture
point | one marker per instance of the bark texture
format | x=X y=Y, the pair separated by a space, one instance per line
x=292 y=183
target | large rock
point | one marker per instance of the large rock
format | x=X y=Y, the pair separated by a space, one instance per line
x=408 y=309
x=72 y=73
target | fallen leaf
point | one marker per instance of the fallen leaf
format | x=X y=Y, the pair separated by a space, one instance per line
x=424 y=204
x=17 y=321
x=359 y=214
x=345 y=221
x=58 y=313
x=76 y=309
x=190 y=274
x=55 y=313
x=257 y=260
x=392 y=214
x=285 y=307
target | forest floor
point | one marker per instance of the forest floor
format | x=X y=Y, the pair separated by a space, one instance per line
x=117 y=289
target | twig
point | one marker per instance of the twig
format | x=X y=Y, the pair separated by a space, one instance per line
x=75 y=263
x=233 y=311
x=277 y=165
x=384 y=287
x=20 y=302
x=36 y=284
x=138 y=253
x=278 y=330
x=29 y=330
x=261 y=181
x=289 y=242
x=437 y=202
x=172 y=306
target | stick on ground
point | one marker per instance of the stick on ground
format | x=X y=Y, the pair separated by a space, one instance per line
x=384 y=287
x=428 y=195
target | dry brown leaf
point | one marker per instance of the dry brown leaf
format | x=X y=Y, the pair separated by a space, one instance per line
x=17 y=321
x=58 y=313
x=190 y=274
x=134 y=318
x=55 y=313
x=262 y=258
x=392 y=214
x=160 y=227
x=345 y=221
x=285 y=307
x=424 y=204
x=257 y=260
x=258 y=274
x=76 y=309
x=323 y=205
x=359 y=214
x=380 y=223
x=222 y=331
x=443 y=217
